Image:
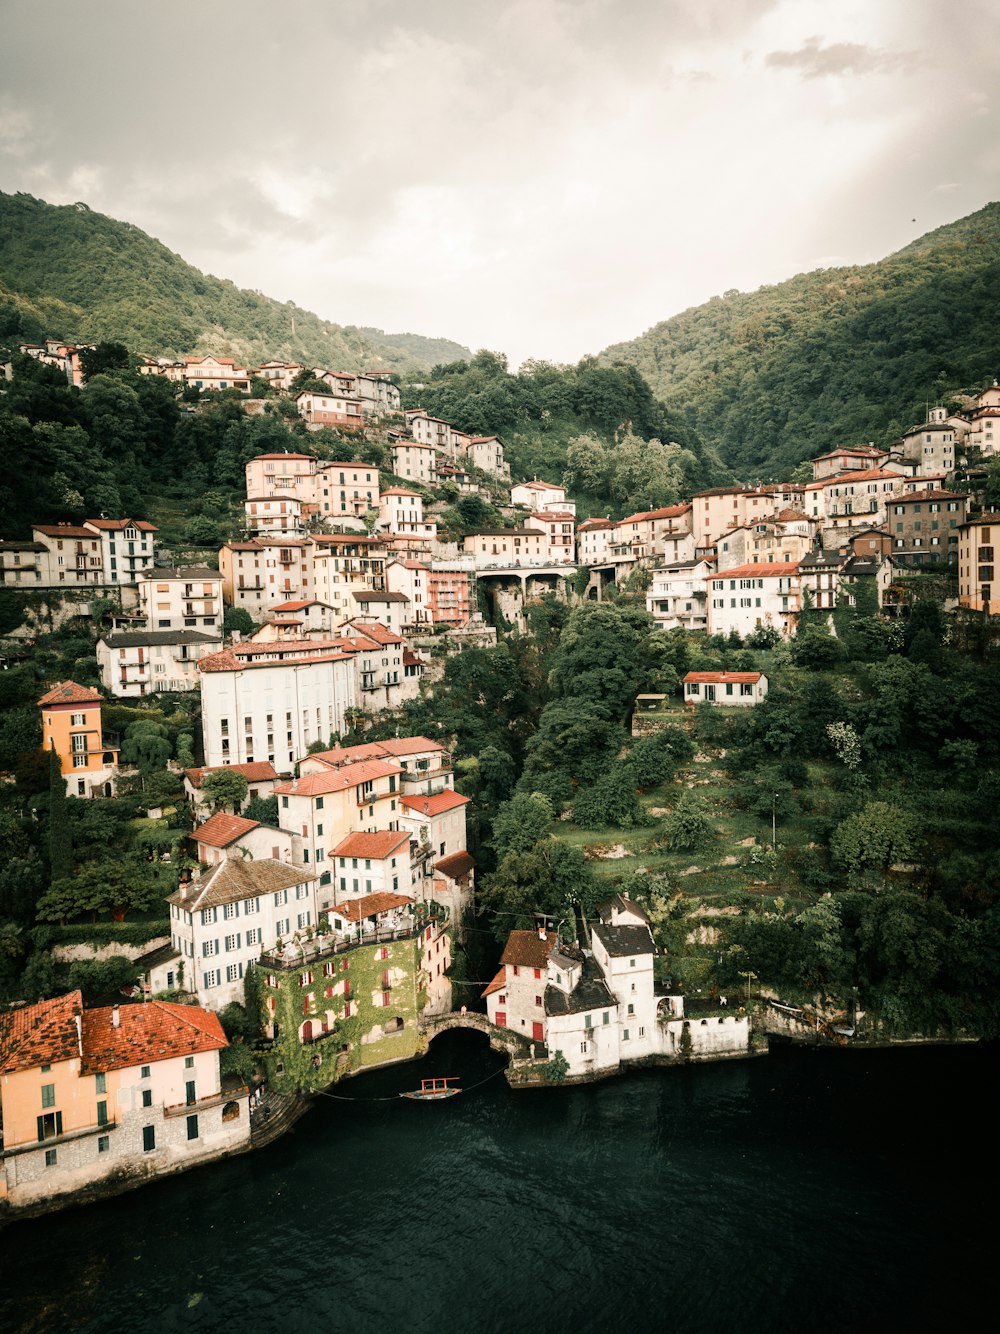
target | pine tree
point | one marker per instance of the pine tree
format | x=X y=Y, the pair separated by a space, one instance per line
x=60 y=838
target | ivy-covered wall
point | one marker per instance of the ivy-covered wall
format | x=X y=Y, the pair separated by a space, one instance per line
x=353 y=1042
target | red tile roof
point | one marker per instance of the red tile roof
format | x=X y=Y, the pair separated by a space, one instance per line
x=256 y=772
x=62 y=530
x=865 y=475
x=155 y=1031
x=498 y=983
x=41 y=1034
x=436 y=803
x=455 y=866
x=378 y=845
x=223 y=829
x=763 y=569
x=372 y=905
x=723 y=678
x=116 y=525
x=68 y=692
x=336 y=780
x=371 y=750
x=529 y=949
x=399 y=491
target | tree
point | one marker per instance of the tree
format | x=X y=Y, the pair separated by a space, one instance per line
x=147 y=745
x=816 y=649
x=224 y=789
x=687 y=826
x=262 y=809
x=237 y=619
x=873 y=839
x=521 y=823
x=103 y=357
x=39 y=980
x=60 y=836
x=101 y=979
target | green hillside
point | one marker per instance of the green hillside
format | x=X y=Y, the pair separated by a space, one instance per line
x=67 y=272
x=837 y=356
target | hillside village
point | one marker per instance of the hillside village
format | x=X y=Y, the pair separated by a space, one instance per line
x=317 y=861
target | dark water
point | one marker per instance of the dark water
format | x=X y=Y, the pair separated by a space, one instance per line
x=806 y=1191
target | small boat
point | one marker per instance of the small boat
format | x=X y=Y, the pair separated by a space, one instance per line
x=431 y=1089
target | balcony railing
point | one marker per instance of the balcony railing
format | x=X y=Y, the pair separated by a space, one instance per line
x=293 y=957
x=203 y=1104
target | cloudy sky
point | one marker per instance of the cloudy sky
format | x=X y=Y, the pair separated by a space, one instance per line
x=542 y=177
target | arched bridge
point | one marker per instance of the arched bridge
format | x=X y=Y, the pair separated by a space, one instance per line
x=501 y=1039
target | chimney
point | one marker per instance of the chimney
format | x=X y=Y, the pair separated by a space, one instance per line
x=541 y=933
x=183 y=888
x=116 y=1016
x=79 y=1033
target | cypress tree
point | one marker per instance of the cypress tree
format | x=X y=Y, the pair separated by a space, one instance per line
x=60 y=838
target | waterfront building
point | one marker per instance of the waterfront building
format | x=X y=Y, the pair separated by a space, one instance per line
x=126 y=1092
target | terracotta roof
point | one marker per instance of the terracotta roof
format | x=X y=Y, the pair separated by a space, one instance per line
x=436 y=803
x=222 y=829
x=400 y=491
x=371 y=595
x=68 y=692
x=228 y=662
x=765 y=569
x=116 y=525
x=299 y=605
x=62 y=530
x=154 y=1031
x=372 y=905
x=378 y=845
x=455 y=866
x=281 y=456
x=376 y=631
x=790 y=516
x=235 y=879
x=589 y=525
x=536 y=484
x=498 y=983
x=622 y=904
x=723 y=678
x=337 y=780
x=41 y=1034
x=371 y=750
x=529 y=949
x=865 y=475
x=411 y=659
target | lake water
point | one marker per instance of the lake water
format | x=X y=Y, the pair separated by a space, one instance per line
x=807 y=1191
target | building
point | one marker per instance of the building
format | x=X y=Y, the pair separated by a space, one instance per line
x=593 y=541
x=134 y=663
x=345 y=492
x=436 y=821
x=225 y=835
x=933 y=447
x=379 y=396
x=924 y=526
x=320 y=410
x=273 y=516
x=414 y=461
x=261 y=778
x=847 y=458
x=123 y=1093
x=678 y=595
x=487 y=453
x=181 y=599
x=537 y=497
x=515 y=998
x=71 y=726
x=215 y=373
x=749 y=596
x=263 y=572
x=111 y=553
x=222 y=920
x=557 y=525
x=739 y=689
x=506 y=547
x=271 y=702
x=279 y=374
x=978 y=539
x=401 y=512
x=366 y=864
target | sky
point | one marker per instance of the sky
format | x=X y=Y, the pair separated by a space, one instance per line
x=537 y=177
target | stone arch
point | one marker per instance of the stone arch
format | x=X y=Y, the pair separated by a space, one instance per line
x=394 y=1025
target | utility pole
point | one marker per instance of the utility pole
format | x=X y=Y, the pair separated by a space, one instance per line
x=774 y=822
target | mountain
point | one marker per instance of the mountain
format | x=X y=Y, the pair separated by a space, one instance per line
x=837 y=356
x=68 y=272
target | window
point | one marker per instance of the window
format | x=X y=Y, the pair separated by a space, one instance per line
x=192 y=1127
x=101 y=1083
x=102 y=1113
x=103 y=1143
x=538 y=1000
x=51 y=1157
x=148 y=1139
x=48 y=1095
x=144 y=1072
x=631 y=963
x=147 y=1097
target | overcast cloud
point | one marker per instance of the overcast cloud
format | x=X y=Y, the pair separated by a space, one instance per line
x=542 y=177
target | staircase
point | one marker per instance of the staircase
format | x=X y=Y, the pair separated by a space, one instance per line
x=276 y=1114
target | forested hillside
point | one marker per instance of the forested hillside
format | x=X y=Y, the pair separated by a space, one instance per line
x=67 y=272
x=589 y=424
x=771 y=377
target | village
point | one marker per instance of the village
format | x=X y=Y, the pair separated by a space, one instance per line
x=339 y=914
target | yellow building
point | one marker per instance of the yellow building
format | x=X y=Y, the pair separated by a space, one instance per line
x=71 y=725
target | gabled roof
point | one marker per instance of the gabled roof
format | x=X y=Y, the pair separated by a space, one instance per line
x=498 y=983
x=68 y=692
x=257 y=772
x=152 y=638
x=435 y=803
x=222 y=829
x=41 y=1034
x=377 y=846
x=154 y=1031
x=62 y=530
x=372 y=905
x=116 y=525
x=372 y=750
x=235 y=879
x=529 y=949
x=619 y=903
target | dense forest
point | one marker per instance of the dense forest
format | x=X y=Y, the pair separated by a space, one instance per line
x=837 y=356
x=68 y=272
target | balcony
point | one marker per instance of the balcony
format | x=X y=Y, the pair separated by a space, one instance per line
x=226 y=1094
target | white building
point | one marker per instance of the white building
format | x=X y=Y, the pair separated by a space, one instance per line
x=539 y=496
x=221 y=921
x=273 y=516
x=134 y=663
x=727 y=688
x=182 y=599
x=749 y=596
x=415 y=461
x=678 y=595
x=271 y=702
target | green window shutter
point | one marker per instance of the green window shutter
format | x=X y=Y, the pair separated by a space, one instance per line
x=41 y=1127
x=59 y=1123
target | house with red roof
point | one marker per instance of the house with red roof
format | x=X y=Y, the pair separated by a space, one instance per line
x=261 y=777
x=369 y=863
x=764 y=593
x=436 y=822
x=112 y=1095
x=740 y=689
x=72 y=727
x=224 y=835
